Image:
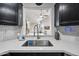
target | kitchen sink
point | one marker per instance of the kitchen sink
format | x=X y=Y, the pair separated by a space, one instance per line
x=37 y=43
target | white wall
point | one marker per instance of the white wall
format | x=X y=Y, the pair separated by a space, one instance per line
x=64 y=35
x=8 y=32
x=24 y=22
x=75 y=31
x=33 y=14
x=44 y=6
x=52 y=20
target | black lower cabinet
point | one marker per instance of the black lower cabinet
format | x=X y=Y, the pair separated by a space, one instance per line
x=36 y=54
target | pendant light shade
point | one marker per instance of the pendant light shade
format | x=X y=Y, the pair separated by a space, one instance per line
x=38 y=4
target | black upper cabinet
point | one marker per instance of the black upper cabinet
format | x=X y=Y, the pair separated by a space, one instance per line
x=20 y=14
x=67 y=14
x=56 y=15
x=9 y=13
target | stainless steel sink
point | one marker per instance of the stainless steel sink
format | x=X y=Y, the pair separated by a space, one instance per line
x=37 y=43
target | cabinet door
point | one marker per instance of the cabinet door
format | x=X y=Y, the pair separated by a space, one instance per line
x=8 y=14
x=68 y=14
x=56 y=13
x=20 y=15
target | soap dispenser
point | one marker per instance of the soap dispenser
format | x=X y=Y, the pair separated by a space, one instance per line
x=57 y=35
x=20 y=37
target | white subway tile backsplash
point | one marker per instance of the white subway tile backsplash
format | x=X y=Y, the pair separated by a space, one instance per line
x=1 y=35
x=8 y=32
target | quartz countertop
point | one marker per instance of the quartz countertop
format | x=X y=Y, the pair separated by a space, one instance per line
x=63 y=45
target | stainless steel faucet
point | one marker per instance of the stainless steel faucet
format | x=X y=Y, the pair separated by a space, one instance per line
x=36 y=26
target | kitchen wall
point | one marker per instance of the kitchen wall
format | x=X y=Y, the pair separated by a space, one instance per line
x=45 y=6
x=74 y=32
x=52 y=20
x=8 y=32
x=66 y=35
x=32 y=16
x=69 y=32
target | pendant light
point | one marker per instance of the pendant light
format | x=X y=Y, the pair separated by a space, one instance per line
x=38 y=4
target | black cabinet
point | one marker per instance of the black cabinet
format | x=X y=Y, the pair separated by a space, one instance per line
x=67 y=14
x=20 y=14
x=34 y=54
x=56 y=15
x=10 y=13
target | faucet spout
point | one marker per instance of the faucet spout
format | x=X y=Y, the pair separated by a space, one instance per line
x=36 y=27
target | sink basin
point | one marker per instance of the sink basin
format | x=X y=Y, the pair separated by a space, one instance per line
x=37 y=43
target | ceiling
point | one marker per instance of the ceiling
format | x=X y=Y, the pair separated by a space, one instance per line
x=33 y=5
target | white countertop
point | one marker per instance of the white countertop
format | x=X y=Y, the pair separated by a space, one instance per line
x=62 y=45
